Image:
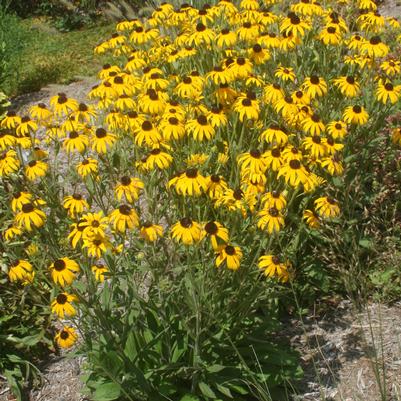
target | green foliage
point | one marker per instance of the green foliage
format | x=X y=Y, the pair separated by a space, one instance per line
x=194 y=332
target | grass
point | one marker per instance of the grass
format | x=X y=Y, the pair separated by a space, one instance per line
x=37 y=54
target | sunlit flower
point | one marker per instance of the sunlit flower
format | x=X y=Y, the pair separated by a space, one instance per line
x=273 y=267
x=62 y=305
x=186 y=231
x=64 y=271
x=66 y=338
x=231 y=255
x=327 y=207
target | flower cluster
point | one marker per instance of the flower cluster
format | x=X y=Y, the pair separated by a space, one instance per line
x=218 y=122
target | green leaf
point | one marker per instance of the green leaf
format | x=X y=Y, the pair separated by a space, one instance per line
x=130 y=347
x=366 y=243
x=189 y=397
x=238 y=389
x=107 y=391
x=206 y=390
x=215 y=368
x=224 y=390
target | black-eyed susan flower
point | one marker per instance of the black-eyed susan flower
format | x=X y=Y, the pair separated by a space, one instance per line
x=333 y=164
x=275 y=135
x=157 y=158
x=99 y=270
x=20 y=198
x=20 y=270
x=66 y=337
x=30 y=217
x=285 y=73
x=231 y=255
x=315 y=146
x=151 y=232
x=314 y=86
x=200 y=128
x=396 y=135
x=258 y=55
x=375 y=47
x=327 y=207
x=337 y=129
x=274 y=159
x=286 y=106
x=294 y=173
x=271 y=220
x=36 y=169
x=187 y=231
x=311 y=218
x=11 y=232
x=313 y=124
x=272 y=93
x=253 y=160
x=333 y=147
x=76 y=141
x=226 y=38
x=172 y=128
x=96 y=244
x=130 y=188
x=387 y=92
x=75 y=204
x=40 y=113
x=294 y=25
x=62 y=305
x=241 y=68
x=62 y=105
x=202 y=35
x=216 y=186
x=94 y=223
x=87 y=167
x=247 y=107
x=218 y=234
x=76 y=232
x=355 y=115
x=64 y=271
x=273 y=199
x=9 y=163
x=330 y=35
x=272 y=266
x=102 y=140
x=391 y=67
x=26 y=126
x=11 y=120
x=124 y=218
x=153 y=102
x=191 y=183
x=348 y=86
x=147 y=134
x=6 y=140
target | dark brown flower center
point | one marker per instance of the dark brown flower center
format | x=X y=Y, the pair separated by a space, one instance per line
x=273 y=212
x=255 y=153
x=316 y=139
x=246 y=102
x=186 y=222
x=202 y=120
x=28 y=208
x=295 y=164
x=375 y=40
x=83 y=107
x=230 y=250
x=101 y=133
x=147 y=126
x=191 y=173
x=200 y=27
x=357 y=109
x=351 y=80
x=61 y=299
x=59 y=265
x=314 y=80
x=211 y=228
x=125 y=210
x=331 y=29
x=238 y=194
x=215 y=178
x=64 y=335
x=276 y=152
x=125 y=180
x=389 y=86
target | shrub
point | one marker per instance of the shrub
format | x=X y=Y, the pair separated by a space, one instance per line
x=218 y=168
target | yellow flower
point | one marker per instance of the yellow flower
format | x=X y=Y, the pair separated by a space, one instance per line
x=96 y=244
x=396 y=135
x=35 y=169
x=217 y=233
x=157 y=158
x=124 y=218
x=190 y=183
x=62 y=305
x=355 y=115
x=62 y=105
x=270 y=219
x=87 y=167
x=30 y=217
x=273 y=267
x=187 y=231
x=386 y=91
x=75 y=204
x=285 y=74
x=151 y=232
x=64 y=271
x=311 y=218
x=273 y=199
x=247 y=107
x=8 y=163
x=231 y=255
x=130 y=188
x=21 y=270
x=66 y=338
x=327 y=207
x=102 y=140
x=348 y=86
x=99 y=271
x=200 y=128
